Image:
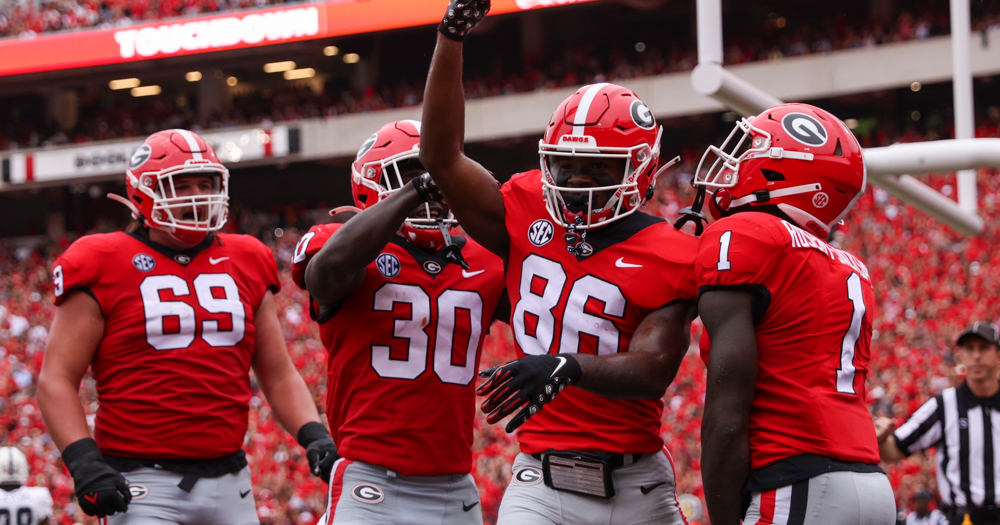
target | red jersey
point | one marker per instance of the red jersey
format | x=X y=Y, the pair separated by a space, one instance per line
x=403 y=354
x=172 y=368
x=812 y=311
x=565 y=304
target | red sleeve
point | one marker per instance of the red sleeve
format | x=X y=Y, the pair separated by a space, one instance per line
x=682 y=254
x=738 y=251
x=309 y=245
x=76 y=269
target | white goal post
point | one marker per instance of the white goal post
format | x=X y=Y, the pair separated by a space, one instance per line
x=890 y=167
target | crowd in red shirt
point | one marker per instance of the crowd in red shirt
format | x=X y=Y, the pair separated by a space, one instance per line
x=930 y=282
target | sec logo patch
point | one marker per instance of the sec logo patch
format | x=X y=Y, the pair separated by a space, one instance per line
x=367 y=493
x=540 y=232
x=528 y=476
x=388 y=265
x=143 y=262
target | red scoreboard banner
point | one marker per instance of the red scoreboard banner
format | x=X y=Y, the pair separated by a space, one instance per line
x=220 y=32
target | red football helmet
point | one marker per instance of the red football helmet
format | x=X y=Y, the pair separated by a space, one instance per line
x=797 y=157
x=162 y=157
x=608 y=121
x=375 y=175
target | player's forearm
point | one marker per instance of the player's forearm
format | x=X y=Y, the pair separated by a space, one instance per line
x=625 y=376
x=725 y=464
x=336 y=269
x=291 y=401
x=655 y=353
x=59 y=402
x=442 y=132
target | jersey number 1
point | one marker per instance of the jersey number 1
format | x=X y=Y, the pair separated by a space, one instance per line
x=845 y=374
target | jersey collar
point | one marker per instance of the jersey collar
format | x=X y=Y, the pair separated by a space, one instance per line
x=184 y=257
x=425 y=257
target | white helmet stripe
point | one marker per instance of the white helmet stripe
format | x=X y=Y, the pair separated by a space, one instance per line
x=192 y=143
x=416 y=124
x=581 y=111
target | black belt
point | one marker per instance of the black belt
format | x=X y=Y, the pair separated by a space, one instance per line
x=192 y=469
x=986 y=515
x=614 y=459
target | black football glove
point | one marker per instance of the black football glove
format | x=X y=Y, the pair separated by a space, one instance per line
x=462 y=16
x=100 y=489
x=528 y=383
x=321 y=451
x=426 y=189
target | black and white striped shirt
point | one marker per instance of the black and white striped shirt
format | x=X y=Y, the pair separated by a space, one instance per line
x=966 y=431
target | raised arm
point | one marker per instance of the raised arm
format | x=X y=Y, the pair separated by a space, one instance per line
x=732 y=377
x=339 y=267
x=471 y=191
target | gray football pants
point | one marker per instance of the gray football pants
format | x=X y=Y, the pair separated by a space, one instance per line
x=364 y=493
x=834 y=498
x=644 y=493
x=157 y=500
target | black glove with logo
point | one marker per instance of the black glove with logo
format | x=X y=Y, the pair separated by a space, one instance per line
x=321 y=451
x=528 y=383
x=100 y=489
x=426 y=189
x=462 y=16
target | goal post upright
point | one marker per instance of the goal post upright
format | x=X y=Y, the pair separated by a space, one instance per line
x=888 y=167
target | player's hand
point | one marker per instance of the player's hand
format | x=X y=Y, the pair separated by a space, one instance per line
x=100 y=489
x=426 y=189
x=321 y=451
x=528 y=383
x=884 y=427
x=462 y=16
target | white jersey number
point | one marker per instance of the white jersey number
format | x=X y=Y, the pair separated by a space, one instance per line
x=724 y=263
x=413 y=330
x=302 y=247
x=845 y=374
x=543 y=282
x=205 y=286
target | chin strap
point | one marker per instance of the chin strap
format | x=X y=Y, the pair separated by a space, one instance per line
x=450 y=252
x=693 y=213
x=128 y=204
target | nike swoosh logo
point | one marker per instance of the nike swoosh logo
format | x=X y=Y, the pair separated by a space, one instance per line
x=244 y=494
x=622 y=264
x=467 y=508
x=468 y=274
x=649 y=488
x=562 y=361
x=213 y=262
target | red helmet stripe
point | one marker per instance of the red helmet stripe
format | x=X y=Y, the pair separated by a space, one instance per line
x=192 y=143
x=584 y=108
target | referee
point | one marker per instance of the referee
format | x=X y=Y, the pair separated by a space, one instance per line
x=963 y=422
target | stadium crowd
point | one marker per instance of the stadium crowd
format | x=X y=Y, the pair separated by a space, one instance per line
x=104 y=118
x=929 y=281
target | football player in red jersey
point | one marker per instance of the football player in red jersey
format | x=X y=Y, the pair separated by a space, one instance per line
x=602 y=296
x=170 y=317
x=789 y=322
x=403 y=308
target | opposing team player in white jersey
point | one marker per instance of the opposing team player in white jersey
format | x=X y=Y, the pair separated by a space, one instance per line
x=602 y=297
x=20 y=505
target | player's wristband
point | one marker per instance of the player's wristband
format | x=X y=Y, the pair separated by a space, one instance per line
x=80 y=452
x=310 y=432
